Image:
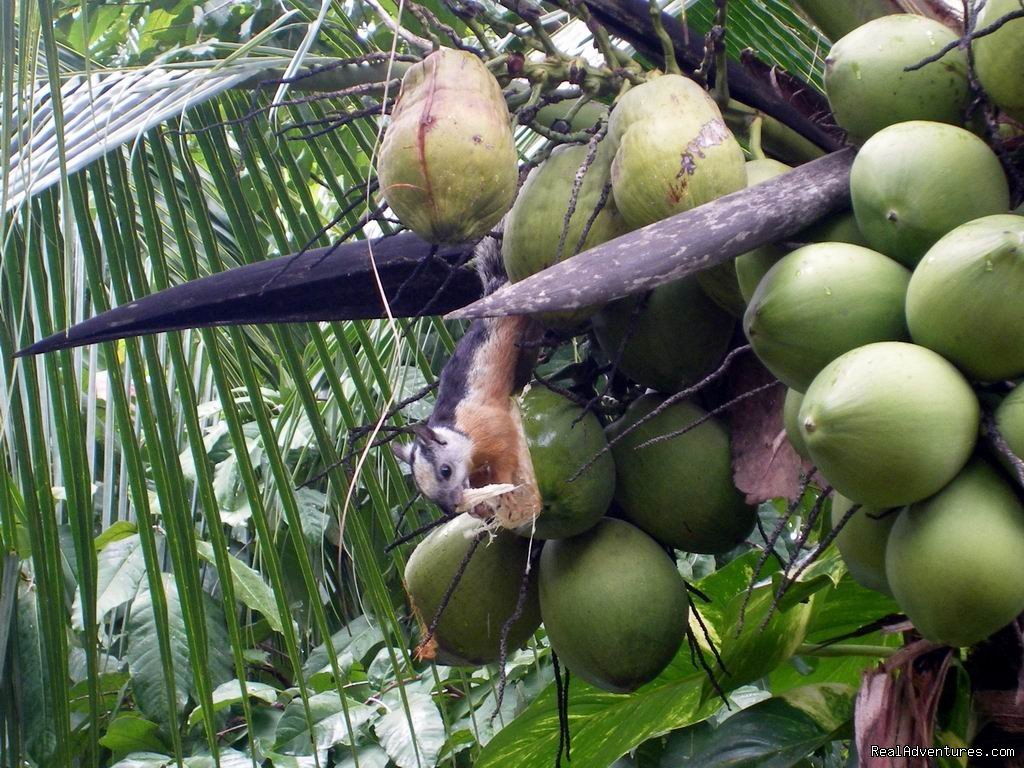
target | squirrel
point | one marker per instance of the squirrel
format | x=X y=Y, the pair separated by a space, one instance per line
x=474 y=437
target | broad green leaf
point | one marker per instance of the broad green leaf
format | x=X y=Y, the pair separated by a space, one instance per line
x=603 y=725
x=828 y=704
x=32 y=699
x=369 y=756
x=329 y=723
x=776 y=733
x=120 y=569
x=828 y=569
x=130 y=732
x=122 y=529
x=748 y=651
x=298 y=761
x=145 y=760
x=354 y=643
x=230 y=693
x=111 y=690
x=413 y=738
x=846 y=608
x=143 y=655
x=250 y=587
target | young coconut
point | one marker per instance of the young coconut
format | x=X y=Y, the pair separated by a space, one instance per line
x=1010 y=422
x=862 y=542
x=447 y=164
x=889 y=423
x=754 y=264
x=536 y=224
x=673 y=150
x=468 y=631
x=791 y=422
x=680 y=491
x=751 y=266
x=614 y=605
x=823 y=300
x=999 y=57
x=955 y=562
x=562 y=437
x=913 y=182
x=867 y=84
x=965 y=298
x=676 y=338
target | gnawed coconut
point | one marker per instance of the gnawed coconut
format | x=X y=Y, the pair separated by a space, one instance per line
x=447 y=164
x=562 y=439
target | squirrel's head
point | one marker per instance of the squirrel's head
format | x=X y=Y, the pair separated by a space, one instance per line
x=440 y=461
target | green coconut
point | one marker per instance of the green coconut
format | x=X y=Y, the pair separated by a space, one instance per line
x=867 y=85
x=679 y=491
x=955 y=562
x=562 y=437
x=673 y=150
x=751 y=266
x=820 y=301
x=889 y=423
x=447 y=165
x=913 y=182
x=999 y=57
x=862 y=542
x=837 y=228
x=966 y=298
x=676 y=338
x=614 y=606
x=791 y=422
x=721 y=286
x=535 y=225
x=1010 y=421
x=469 y=630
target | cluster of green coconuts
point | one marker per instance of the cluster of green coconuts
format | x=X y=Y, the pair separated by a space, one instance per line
x=891 y=325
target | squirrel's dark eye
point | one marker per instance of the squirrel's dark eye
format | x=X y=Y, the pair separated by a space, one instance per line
x=446 y=471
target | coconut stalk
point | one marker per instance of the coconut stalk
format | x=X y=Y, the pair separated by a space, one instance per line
x=681 y=245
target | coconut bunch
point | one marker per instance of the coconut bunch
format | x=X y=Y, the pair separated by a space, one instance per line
x=891 y=347
x=608 y=514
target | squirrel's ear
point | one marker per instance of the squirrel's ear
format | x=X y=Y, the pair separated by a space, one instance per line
x=426 y=434
x=403 y=452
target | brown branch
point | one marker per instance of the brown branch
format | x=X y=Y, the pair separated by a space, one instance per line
x=682 y=244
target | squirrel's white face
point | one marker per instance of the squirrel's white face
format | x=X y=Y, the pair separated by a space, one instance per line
x=440 y=462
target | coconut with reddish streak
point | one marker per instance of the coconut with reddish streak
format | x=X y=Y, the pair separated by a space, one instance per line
x=447 y=164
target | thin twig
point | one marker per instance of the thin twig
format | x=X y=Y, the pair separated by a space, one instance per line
x=709 y=415
x=666 y=404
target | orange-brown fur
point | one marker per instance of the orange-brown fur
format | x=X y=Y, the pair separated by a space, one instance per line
x=486 y=412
